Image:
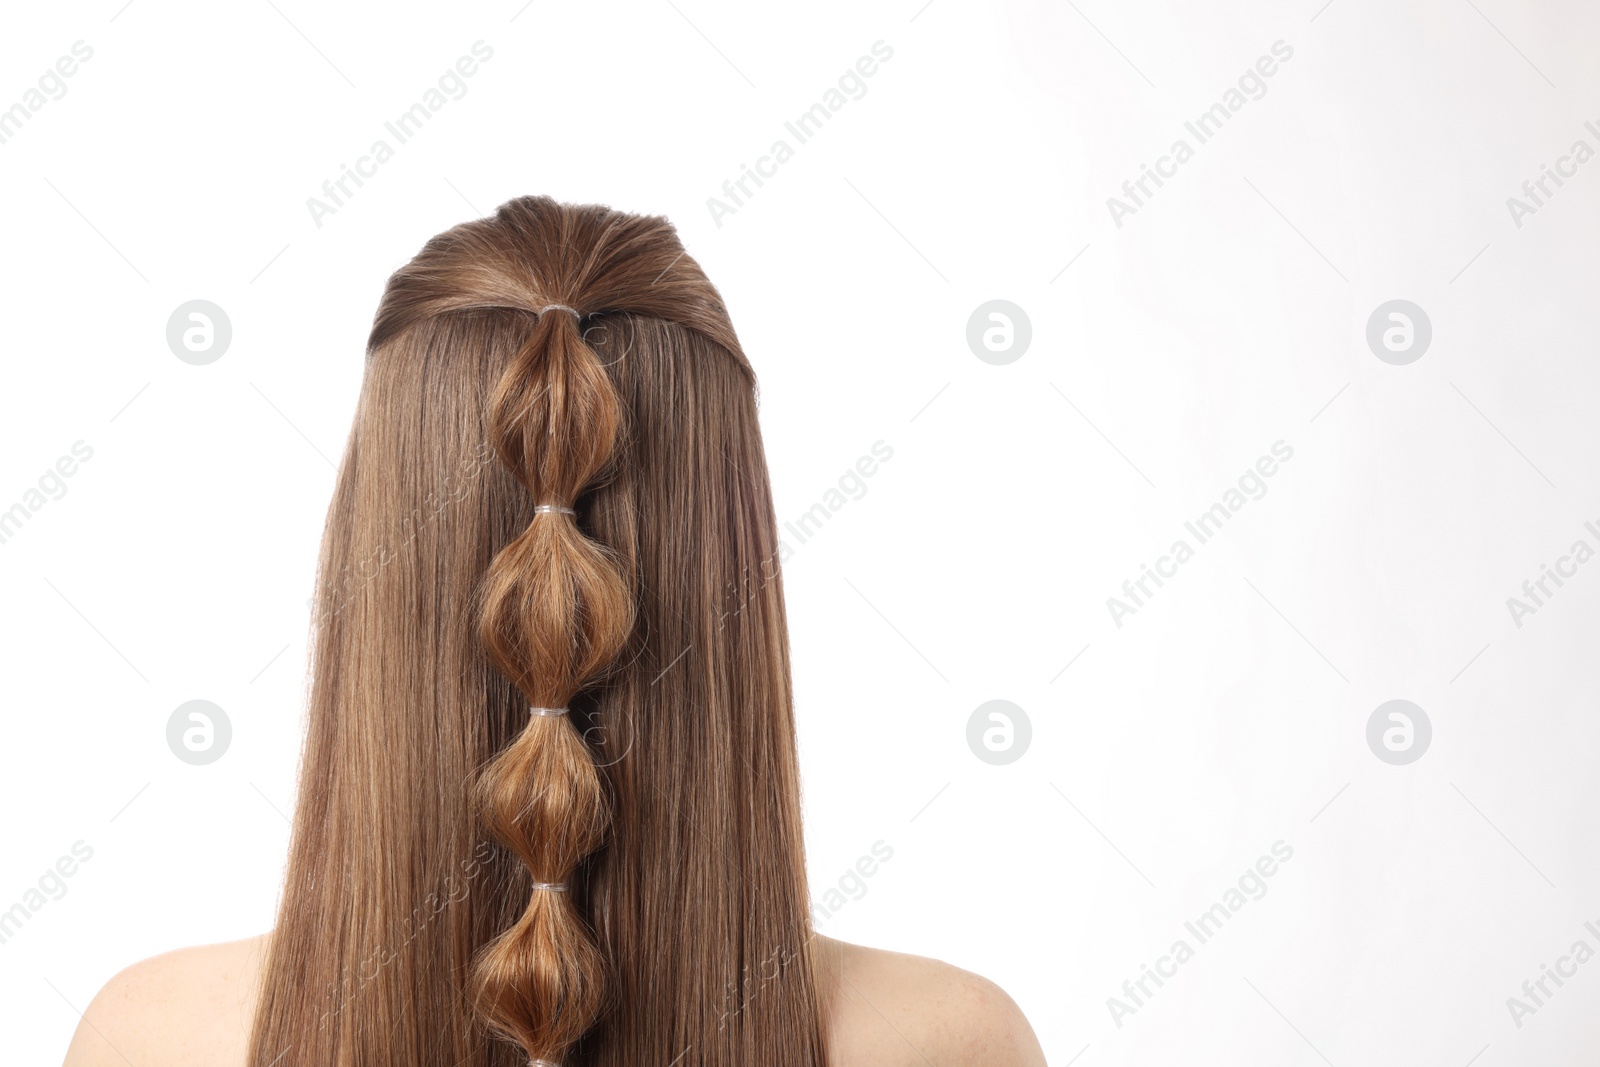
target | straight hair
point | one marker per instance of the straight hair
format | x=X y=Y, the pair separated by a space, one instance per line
x=419 y=921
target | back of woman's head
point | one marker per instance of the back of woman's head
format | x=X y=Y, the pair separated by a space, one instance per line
x=549 y=801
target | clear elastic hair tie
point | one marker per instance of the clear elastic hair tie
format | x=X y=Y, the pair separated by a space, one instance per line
x=547 y=711
x=543 y=1063
x=552 y=509
x=552 y=887
x=561 y=307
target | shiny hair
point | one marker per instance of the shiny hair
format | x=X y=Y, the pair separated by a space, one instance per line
x=412 y=929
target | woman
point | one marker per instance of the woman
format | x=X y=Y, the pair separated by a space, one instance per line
x=549 y=801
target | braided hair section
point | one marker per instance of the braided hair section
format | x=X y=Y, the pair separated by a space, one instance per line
x=557 y=608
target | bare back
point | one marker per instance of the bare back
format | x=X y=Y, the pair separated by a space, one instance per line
x=193 y=1008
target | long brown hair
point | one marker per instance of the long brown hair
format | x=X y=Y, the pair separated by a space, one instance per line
x=421 y=921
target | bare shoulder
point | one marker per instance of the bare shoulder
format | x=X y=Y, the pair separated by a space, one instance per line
x=193 y=1008
x=187 y=1008
x=889 y=1009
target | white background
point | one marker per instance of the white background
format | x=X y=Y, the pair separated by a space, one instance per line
x=1227 y=314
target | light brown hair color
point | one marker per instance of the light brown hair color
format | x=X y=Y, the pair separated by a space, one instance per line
x=411 y=930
